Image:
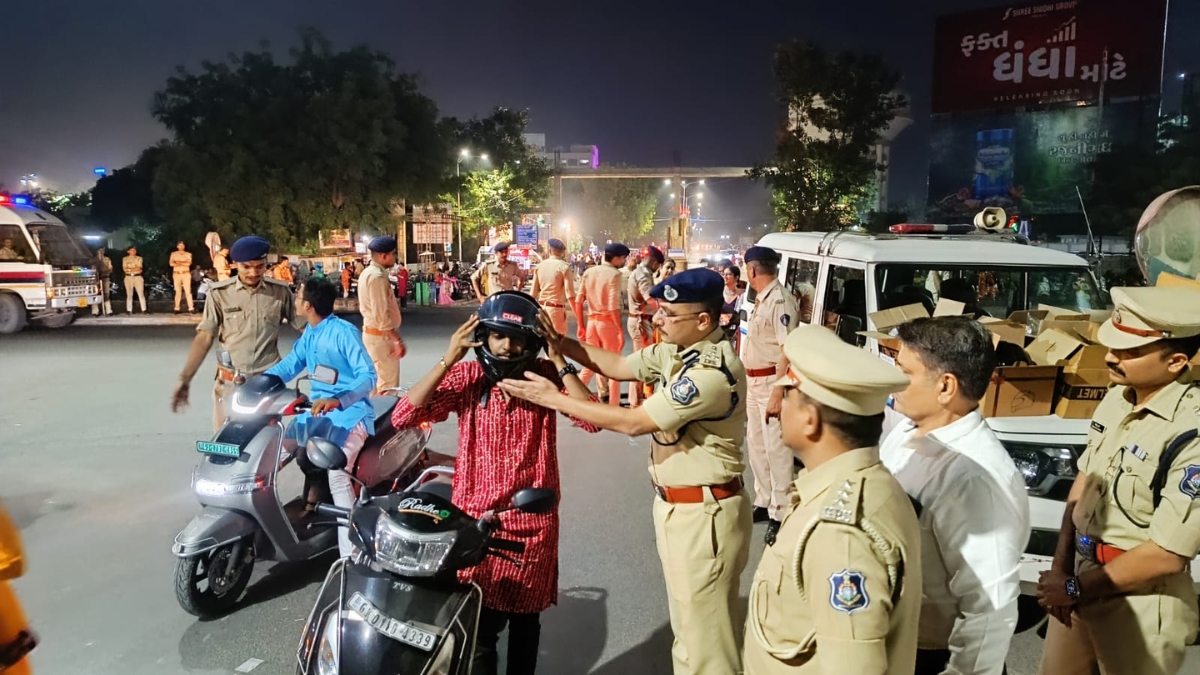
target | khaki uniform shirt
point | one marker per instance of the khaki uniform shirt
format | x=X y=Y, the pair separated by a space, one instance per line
x=507 y=277
x=774 y=316
x=700 y=408
x=1122 y=455
x=221 y=265
x=376 y=301
x=861 y=601
x=246 y=320
x=600 y=287
x=181 y=262
x=104 y=267
x=131 y=265
x=552 y=274
x=640 y=283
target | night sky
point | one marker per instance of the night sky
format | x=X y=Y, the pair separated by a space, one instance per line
x=642 y=80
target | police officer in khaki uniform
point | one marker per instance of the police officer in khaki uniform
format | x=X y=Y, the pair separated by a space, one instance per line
x=181 y=273
x=840 y=591
x=774 y=316
x=104 y=268
x=641 y=316
x=698 y=421
x=381 y=314
x=501 y=274
x=554 y=284
x=243 y=314
x=131 y=265
x=1119 y=591
x=221 y=264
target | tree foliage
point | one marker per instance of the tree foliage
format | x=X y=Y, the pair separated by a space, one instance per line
x=838 y=105
x=325 y=141
x=1129 y=177
x=621 y=209
x=127 y=194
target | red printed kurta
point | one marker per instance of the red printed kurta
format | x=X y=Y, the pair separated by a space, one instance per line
x=502 y=448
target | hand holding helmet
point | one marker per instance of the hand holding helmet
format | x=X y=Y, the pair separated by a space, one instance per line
x=462 y=341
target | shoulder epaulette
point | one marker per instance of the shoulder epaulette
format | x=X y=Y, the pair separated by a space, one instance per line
x=842 y=507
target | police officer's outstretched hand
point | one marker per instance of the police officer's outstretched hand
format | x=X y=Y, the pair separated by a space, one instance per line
x=462 y=341
x=549 y=333
x=179 y=400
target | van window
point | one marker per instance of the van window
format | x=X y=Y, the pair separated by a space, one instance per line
x=13 y=247
x=987 y=290
x=801 y=280
x=846 y=303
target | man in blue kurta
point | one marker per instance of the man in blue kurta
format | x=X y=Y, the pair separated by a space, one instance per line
x=341 y=412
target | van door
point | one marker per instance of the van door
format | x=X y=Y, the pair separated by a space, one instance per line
x=844 y=306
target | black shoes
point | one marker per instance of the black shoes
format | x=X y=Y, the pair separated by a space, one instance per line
x=761 y=515
x=772 y=530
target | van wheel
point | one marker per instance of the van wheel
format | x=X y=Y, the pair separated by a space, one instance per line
x=61 y=320
x=12 y=313
x=1029 y=613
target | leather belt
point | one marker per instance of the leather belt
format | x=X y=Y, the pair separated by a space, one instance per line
x=378 y=333
x=130 y=274
x=553 y=304
x=695 y=494
x=611 y=316
x=760 y=372
x=1096 y=550
x=224 y=374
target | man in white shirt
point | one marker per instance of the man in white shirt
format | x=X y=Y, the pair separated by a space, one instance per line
x=970 y=499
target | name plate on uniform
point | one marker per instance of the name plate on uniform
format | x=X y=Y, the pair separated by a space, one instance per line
x=222 y=449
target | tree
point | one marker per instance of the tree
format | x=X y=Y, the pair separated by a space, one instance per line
x=327 y=141
x=837 y=108
x=621 y=209
x=127 y=194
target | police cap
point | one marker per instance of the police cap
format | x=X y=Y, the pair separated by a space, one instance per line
x=616 y=250
x=502 y=246
x=694 y=285
x=839 y=375
x=384 y=244
x=557 y=245
x=1145 y=315
x=654 y=252
x=761 y=253
x=248 y=249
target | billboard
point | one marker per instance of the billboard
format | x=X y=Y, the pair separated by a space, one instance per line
x=1056 y=52
x=1028 y=162
x=432 y=225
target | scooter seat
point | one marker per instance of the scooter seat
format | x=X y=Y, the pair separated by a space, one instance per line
x=383 y=406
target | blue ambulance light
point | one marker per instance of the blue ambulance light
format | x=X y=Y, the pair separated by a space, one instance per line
x=21 y=201
x=100 y=171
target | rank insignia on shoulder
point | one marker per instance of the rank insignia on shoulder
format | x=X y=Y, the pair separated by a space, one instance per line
x=1097 y=427
x=684 y=390
x=848 y=591
x=843 y=508
x=712 y=357
x=1190 y=485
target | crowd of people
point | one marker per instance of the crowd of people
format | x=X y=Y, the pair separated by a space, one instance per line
x=894 y=549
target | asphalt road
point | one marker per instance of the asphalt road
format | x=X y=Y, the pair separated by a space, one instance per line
x=95 y=470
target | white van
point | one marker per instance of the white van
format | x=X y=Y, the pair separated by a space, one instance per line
x=840 y=279
x=46 y=271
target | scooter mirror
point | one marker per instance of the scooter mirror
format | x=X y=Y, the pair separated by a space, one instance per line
x=324 y=454
x=535 y=500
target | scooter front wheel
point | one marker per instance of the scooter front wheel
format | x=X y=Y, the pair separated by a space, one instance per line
x=208 y=585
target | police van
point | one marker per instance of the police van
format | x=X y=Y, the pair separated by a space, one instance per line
x=839 y=279
x=46 y=271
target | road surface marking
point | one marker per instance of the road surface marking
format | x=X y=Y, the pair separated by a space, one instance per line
x=248 y=666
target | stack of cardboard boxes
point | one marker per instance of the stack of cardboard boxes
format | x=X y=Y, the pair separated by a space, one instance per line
x=1066 y=375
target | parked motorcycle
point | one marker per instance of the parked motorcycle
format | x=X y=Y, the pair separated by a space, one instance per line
x=243 y=518
x=396 y=606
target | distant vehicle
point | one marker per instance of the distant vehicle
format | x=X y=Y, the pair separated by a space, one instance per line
x=46 y=271
x=718 y=257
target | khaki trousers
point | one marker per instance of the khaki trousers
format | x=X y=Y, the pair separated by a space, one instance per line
x=183 y=287
x=770 y=459
x=606 y=333
x=704 y=548
x=221 y=403
x=558 y=316
x=641 y=331
x=134 y=284
x=387 y=369
x=1145 y=634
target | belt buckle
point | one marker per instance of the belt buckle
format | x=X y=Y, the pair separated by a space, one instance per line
x=1086 y=546
x=660 y=491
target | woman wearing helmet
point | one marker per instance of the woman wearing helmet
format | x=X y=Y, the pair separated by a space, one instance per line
x=505 y=444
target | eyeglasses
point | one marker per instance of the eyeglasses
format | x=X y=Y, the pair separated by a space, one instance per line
x=663 y=313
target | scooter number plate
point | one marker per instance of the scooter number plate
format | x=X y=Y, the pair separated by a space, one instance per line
x=222 y=449
x=397 y=630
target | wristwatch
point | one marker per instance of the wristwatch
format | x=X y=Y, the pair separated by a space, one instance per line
x=569 y=369
x=1073 y=588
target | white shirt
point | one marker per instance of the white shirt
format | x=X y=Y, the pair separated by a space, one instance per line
x=974 y=527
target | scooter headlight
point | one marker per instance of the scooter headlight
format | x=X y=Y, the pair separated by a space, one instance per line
x=410 y=553
x=327 y=648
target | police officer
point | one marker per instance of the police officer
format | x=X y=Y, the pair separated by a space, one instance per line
x=698 y=421
x=502 y=274
x=600 y=289
x=131 y=265
x=181 y=273
x=243 y=314
x=641 y=317
x=1119 y=588
x=774 y=316
x=554 y=284
x=104 y=268
x=840 y=591
x=381 y=314
x=221 y=264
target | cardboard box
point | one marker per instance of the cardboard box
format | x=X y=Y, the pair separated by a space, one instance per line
x=885 y=320
x=1084 y=379
x=1004 y=330
x=1020 y=391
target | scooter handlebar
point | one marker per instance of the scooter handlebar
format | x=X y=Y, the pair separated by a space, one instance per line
x=333 y=511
